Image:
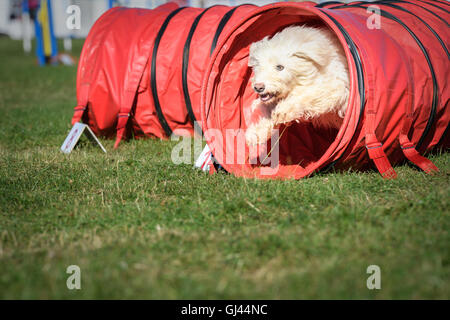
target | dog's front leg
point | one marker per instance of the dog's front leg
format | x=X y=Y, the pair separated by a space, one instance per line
x=259 y=132
x=286 y=111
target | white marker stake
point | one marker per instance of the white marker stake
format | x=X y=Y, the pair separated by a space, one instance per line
x=26 y=32
x=75 y=134
x=204 y=160
x=67 y=44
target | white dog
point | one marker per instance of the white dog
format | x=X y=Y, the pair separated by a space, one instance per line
x=299 y=74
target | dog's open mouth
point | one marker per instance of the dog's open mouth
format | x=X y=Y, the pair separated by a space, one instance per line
x=266 y=97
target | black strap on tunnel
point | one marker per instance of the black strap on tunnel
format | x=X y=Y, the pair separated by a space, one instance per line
x=327 y=3
x=434 y=5
x=434 y=101
x=222 y=25
x=186 y=51
x=415 y=4
x=430 y=3
x=161 y=118
x=360 y=77
x=389 y=4
x=184 y=70
x=219 y=30
x=397 y=1
x=444 y=2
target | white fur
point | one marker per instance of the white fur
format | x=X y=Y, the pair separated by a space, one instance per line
x=313 y=84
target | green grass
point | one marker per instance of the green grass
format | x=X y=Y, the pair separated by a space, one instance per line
x=141 y=227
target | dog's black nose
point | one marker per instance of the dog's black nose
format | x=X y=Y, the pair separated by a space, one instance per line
x=259 y=87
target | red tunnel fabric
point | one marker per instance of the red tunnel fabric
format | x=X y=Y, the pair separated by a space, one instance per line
x=399 y=96
x=141 y=70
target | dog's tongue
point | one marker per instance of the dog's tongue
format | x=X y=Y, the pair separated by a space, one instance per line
x=265 y=97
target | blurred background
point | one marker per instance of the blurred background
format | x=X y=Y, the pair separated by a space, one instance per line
x=42 y=24
x=14 y=13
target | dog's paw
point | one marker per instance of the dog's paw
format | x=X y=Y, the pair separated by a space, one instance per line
x=279 y=116
x=285 y=113
x=259 y=133
x=250 y=137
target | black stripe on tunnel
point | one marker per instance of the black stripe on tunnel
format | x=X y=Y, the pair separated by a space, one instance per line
x=434 y=101
x=222 y=25
x=184 y=71
x=161 y=118
x=361 y=85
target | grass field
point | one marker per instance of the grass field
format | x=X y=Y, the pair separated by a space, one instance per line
x=139 y=226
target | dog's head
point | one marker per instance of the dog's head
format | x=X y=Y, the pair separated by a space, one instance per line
x=290 y=58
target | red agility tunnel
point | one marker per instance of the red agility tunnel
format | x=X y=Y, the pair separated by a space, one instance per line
x=399 y=93
x=141 y=70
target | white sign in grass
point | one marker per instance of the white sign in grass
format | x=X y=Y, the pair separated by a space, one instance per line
x=74 y=136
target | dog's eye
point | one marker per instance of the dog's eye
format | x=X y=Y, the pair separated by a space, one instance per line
x=279 y=67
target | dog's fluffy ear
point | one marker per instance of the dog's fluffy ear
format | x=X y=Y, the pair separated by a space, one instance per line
x=253 y=51
x=252 y=61
x=314 y=52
